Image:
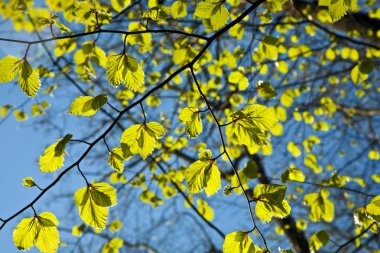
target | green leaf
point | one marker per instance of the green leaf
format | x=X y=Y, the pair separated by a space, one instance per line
x=361 y=71
x=265 y=90
x=115 y=225
x=78 y=230
x=191 y=116
x=294 y=149
x=87 y=105
x=119 y=5
x=214 y=13
x=179 y=9
x=122 y=68
x=28 y=182
x=268 y=46
x=93 y=202
x=321 y=207
x=113 y=245
x=373 y=209
x=40 y=231
x=4 y=110
x=363 y=220
x=28 y=79
x=203 y=174
x=263 y=117
x=318 y=239
x=205 y=210
x=141 y=138
x=293 y=174
x=157 y=13
x=250 y=171
x=53 y=156
x=248 y=126
x=20 y=115
x=116 y=158
x=270 y=201
x=238 y=242
x=9 y=68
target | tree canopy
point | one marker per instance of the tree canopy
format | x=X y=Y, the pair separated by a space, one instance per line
x=196 y=126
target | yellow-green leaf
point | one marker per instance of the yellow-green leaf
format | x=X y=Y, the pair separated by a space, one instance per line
x=317 y=240
x=28 y=182
x=293 y=174
x=122 y=68
x=373 y=209
x=9 y=68
x=87 y=105
x=40 y=231
x=141 y=138
x=53 y=156
x=113 y=245
x=191 y=116
x=214 y=13
x=203 y=174
x=157 y=13
x=270 y=201
x=205 y=210
x=238 y=242
x=179 y=9
x=265 y=90
x=93 y=202
x=119 y=5
x=28 y=79
x=115 y=159
x=321 y=207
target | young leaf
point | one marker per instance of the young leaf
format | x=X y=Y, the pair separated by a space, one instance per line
x=157 y=13
x=205 y=210
x=141 y=138
x=203 y=174
x=191 y=117
x=321 y=207
x=373 y=209
x=317 y=240
x=214 y=13
x=179 y=9
x=113 y=245
x=119 y=5
x=9 y=68
x=238 y=242
x=28 y=182
x=270 y=201
x=293 y=174
x=93 y=202
x=116 y=159
x=28 y=79
x=53 y=157
x=40 y=231
x=87 y=105
x=266 y=90
x=122 y=68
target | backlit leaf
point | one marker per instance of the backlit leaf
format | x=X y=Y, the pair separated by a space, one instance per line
x=93 y=202
x=321 y=207
x=270 y=201
x=141 y=138
x=203 y=174
x=40 y=231
x=238 y=242
x=87 y=105
x=191 y=117
x=53 y=156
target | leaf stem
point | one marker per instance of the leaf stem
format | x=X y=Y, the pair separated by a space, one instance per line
x=84 y=177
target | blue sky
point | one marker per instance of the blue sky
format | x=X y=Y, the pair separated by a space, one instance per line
x=20 y=145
